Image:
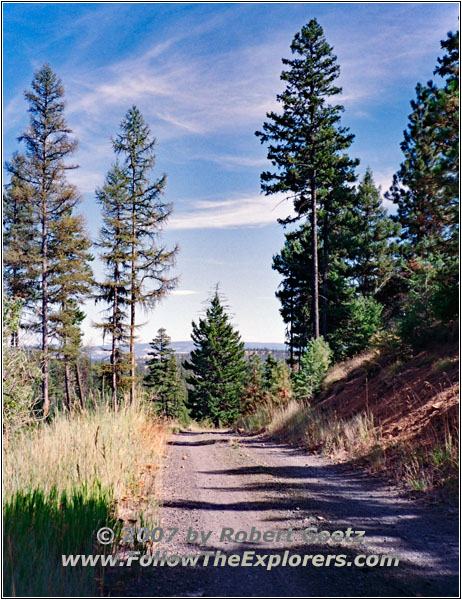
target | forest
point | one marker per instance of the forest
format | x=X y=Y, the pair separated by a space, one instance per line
x=356 y=282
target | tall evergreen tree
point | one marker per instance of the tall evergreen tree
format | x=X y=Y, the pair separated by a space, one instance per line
x=295 y=293
x=43 y=170
x=444 y=125
x=147 y=213
x=20 y=251
x=70 y=282
x=369 y=239
x=414 y=190
x=163 y=376
x=217 y=367
x=426 y=187
x=426 y=190
x=339 y=201
x=306 y=142
x=115 y=244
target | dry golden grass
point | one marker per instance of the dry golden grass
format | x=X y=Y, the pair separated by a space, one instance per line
x=423 y=463
x=341 y=370
x=317 y=429
x=65 y=479
x=75 y=450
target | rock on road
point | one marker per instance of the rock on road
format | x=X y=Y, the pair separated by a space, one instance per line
x=217 y=479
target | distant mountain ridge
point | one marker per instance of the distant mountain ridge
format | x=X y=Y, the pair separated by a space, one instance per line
x=142 y=349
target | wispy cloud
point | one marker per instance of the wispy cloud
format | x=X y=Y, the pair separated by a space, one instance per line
x=15 y=110
x=388 y=54
x=249 y=211
x=85 y=180
x=183 y=292
x=233 y=161
x=182 y=94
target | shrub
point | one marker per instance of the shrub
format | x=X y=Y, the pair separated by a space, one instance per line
x=432 y=298
x=276 y=380
x=363 y=321
x=313 y=368
x=21 y=376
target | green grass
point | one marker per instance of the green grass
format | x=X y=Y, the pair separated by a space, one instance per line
x=39 y=528
x=435 y=467
x=62 y=482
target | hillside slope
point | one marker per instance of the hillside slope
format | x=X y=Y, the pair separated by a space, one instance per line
x=414 y=401
x=396 y=417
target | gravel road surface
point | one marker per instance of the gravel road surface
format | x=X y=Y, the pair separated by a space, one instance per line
x=213 y=480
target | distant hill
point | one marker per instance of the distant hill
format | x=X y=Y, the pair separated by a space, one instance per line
x=142 y=349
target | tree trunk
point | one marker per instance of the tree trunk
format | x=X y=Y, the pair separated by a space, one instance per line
x=14 y=339
x=314 y=250
x=114 y=349
x=79 y=385
x=133 y=293
x=132 y=344
x=291 y=338
x=45 y=364
x=325 y=272
x=67 y=386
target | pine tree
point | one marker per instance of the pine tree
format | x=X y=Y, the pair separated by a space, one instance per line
x=313 y=369
x=20 y=252
x=337 y=202
x=369 y=239
x=426 y=187
x=114 y=242
x=70 y=282
x=414 y=188
x=217 y=367
x=443 y=122
x=147 y=214
x=306 y=140
x=43 y=170
x=163 y=376
x=426 y=190
x=294 y=293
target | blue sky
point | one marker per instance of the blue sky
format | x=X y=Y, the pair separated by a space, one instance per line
x=204 y=76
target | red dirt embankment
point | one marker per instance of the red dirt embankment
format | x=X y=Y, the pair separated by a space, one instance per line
x=413 y=402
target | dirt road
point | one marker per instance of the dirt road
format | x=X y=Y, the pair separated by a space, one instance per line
x=215 y=480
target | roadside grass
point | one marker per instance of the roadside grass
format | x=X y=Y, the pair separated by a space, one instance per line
x=325 y=431
x=64 y=480
x=433 y=465
x=258 y=420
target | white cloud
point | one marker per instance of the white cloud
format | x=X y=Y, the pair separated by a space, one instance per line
x=249 y=211
x=183 y=292
x=85 y=180
x=384 y=179
x=15 y=111
x=231 y=161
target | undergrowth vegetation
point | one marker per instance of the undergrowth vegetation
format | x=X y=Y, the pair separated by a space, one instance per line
x=62 y=482
x=426 y=460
